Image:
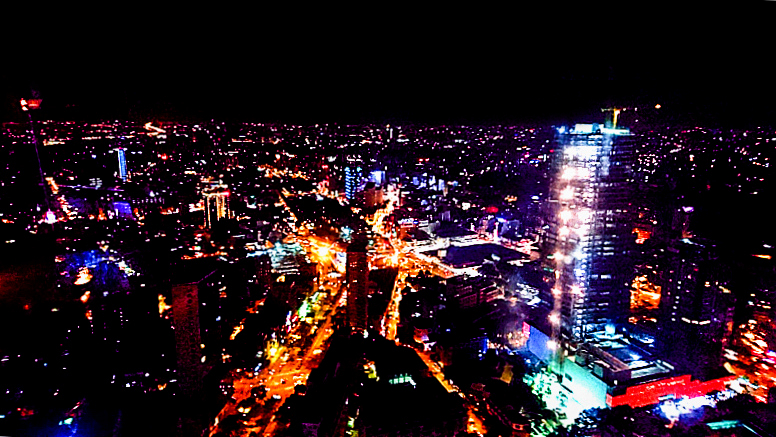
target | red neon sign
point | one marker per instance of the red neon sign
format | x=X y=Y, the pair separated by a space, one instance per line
x=679 y=386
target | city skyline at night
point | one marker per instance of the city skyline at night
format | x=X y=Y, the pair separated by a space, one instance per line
x=459 y=261
x=400 y=228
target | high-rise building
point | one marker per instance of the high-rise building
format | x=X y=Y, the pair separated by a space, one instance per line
x=696 y=308
x=357 y=278
x=185 y=313
x=589 y=238
x=216 y=204
x=122 y=164
x=263 y=266
x=189 y=293
x=352 y=176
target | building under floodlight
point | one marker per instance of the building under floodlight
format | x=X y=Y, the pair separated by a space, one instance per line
x=588 y=240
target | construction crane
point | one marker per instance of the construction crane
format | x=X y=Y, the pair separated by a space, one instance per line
x=615 y=114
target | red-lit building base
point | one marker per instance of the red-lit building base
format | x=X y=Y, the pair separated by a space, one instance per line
x=679 y=386
x=642 y=235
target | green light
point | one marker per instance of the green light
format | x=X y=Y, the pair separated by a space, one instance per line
x=615 y=131
x=303 y=310
x=724 y=424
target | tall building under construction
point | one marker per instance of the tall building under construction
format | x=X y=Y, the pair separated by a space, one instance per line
x=588 y=240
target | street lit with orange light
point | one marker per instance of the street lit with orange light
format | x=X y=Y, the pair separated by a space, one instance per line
x=286 y=368
x=750 y=358
x=288 y=364
x=410 y=265
x=645 y=295
x=475 y=423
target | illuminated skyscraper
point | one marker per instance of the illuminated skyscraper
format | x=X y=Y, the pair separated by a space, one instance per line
x=588 y=242
x=351 y=182
x=216 y=204
x=122 y=164
x=357 y=277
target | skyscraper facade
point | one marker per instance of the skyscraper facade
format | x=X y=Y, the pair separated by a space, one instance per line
x=122 y=164
x=357 y=278
x=185 y=313
x=352 y=175
x=194 y=323
x=696 y=308
x=216 y=204
x=588 y=240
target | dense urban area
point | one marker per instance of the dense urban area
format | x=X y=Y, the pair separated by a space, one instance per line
x=611 y=277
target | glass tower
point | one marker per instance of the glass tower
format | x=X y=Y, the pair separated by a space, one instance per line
x=588 y=241
x=352 y=176
x=122 y=164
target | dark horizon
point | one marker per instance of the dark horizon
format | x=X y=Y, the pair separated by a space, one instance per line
x=299 y=90
x=680 y=107
x=526 y=65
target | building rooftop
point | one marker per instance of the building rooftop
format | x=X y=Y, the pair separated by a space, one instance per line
x=618 y=353
x=465 y=256
x=453 y=231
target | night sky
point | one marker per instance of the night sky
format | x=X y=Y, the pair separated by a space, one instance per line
x=398 y=65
